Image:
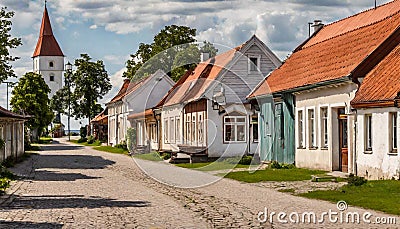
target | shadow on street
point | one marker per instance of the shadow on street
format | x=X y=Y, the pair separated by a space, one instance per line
x=71 y=201
x=8 y=224
x=44 y=175
x=64 y=161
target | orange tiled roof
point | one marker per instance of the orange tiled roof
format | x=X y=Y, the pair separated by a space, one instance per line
x=335 y=51
x=194 y=83
x=47 y=44
x=121 y=92
x=147 y=112
x=100 y=116
x=381 y=86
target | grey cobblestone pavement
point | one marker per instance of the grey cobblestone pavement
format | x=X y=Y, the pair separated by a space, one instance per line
x=68 y=186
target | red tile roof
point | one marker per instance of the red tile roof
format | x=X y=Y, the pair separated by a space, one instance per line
x=121 y=93
x=148 y=112
x=100 y=117
x=381 y=86
x=194 y=83
x=8 y=114
x=335 y=51
x=47 y=44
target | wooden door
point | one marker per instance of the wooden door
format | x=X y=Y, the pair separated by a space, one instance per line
x=343 y=142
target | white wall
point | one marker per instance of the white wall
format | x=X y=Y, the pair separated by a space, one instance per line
x=331 y=98
x=166 y=114
x=380 y=163
x=215 y=133
x=41 y=66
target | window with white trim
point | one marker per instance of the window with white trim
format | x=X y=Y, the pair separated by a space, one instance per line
x=368 y=132
x=178 y=129
x=172 y=130
x=254 y=124
x=51 y=77
x=188 y=129
x=200 y=129
x=166 y=130
x=234 y=128
x=253 y=63
x=324 y=127
x=300 y=123
x=393 y=132
x=311 y=129
x=194 y=129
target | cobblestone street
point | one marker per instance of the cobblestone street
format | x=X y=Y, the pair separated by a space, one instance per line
x=68 y=186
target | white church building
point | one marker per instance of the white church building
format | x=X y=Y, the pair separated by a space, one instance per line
x=48 y=58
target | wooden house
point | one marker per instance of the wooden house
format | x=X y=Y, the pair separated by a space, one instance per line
x=206 y=113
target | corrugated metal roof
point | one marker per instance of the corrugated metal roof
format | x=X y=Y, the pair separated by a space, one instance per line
x=334 y=54
x=381 y=86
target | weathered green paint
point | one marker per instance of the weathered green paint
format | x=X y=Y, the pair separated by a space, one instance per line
x=276 y=122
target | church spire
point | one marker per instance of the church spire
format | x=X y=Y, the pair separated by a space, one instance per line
x=47 y=44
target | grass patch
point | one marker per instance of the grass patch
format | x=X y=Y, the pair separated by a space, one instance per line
x=287 y=190
x=377 y=195
x=111 y=149
x=211 y=166
x=294 y=174
x=95 y=143
x=153 y=156
x=45 y=140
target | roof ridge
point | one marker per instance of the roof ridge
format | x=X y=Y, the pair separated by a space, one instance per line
x=362 y=12
x=350 y=31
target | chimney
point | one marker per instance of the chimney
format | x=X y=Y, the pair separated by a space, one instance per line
x=317 y=25
x=204 y=56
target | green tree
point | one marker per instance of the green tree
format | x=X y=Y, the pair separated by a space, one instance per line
x=7 y=42
x=90 y=82
x=161 y=53
x=209 y=48
x=31 y=97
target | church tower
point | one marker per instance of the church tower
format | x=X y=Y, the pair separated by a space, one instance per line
x=48 y=59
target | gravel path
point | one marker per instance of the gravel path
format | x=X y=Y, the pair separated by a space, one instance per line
x=69 y=186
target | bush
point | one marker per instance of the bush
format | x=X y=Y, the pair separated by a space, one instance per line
x=131 y=139
x=356 y=180
x=2 y=143
x=122 y=145
x=83 y=132
x=82 y=140
x=166 y=156
x=246 y=160
x=90 y=140
x=4 y=184
x=277 y=165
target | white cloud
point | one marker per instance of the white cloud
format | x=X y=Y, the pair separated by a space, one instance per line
x=116 y=82
x=93 y=27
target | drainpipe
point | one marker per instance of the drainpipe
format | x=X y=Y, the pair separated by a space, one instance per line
x=355 y=144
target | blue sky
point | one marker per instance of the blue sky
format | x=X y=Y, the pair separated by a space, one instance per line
x=111 y=30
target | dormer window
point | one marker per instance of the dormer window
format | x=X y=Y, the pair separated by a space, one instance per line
x=52 y=77
x=51 y=64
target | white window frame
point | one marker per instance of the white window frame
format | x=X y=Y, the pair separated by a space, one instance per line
x=235 y=125
x=255 y=140
x=200 y=128
x=165 y=127
x=300 y=129
x=312 y=136
x=368 y=132
x=171 y=136
x=178 y=129
x=393 y=122
x=188 y=124
x=194 y=128
x=324 y=127
x=249 y=63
